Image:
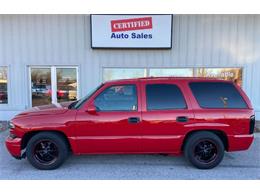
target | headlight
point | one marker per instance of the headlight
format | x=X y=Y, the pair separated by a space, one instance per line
x=12 y=135
x=11 y=125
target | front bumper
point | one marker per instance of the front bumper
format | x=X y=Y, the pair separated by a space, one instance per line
x=13 y=145
x=240 y=142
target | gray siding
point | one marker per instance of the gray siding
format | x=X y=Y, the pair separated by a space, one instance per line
x=198 y=40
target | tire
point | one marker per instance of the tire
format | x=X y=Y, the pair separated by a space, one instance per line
x=204 y=150
x=47 y=151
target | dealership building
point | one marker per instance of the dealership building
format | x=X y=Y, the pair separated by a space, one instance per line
x=54 y=58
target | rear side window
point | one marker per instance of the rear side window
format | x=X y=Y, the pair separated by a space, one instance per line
x=164 y=97
x=217 y=95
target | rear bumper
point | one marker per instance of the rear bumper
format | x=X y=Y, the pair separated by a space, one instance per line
x=14 y=146
x=240 y=142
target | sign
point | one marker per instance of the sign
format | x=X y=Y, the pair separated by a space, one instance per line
x=231 y=74
x=131 y=31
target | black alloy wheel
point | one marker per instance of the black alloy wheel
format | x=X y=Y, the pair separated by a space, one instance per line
x=204 y=150
x=47 y=150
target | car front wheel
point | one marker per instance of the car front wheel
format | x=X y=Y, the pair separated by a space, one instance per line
x=204 y=150
x=46 y=151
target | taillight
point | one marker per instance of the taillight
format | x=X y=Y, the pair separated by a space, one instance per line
x=252 y=124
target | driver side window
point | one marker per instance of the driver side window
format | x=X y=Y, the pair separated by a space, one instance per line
x=117 y=98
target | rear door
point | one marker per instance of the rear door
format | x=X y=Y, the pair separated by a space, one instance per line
x=166 y=115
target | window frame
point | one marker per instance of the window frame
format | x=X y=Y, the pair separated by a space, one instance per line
x=53 y=69
x=113 y=85
x=216 y=108
x=167 y=109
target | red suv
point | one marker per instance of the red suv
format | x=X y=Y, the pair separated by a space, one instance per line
x=200 y=117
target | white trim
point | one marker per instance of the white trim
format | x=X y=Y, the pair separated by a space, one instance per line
x=29 y=94
x=78 y=83
x=53 y=85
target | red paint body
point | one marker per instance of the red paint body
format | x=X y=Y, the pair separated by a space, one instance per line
x=157 y=132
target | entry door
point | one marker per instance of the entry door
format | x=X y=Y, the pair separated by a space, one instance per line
x=53 y=84
x=41 y=86
x=115 y=126
x=166 y=113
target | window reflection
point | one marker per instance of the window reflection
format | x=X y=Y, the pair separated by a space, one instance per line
x=66 y=84
x=123 y=73
x=231 y=74
x=117 y=98
x=228 y=73
x=41 y=86
x=176 y=72
x=3 y=85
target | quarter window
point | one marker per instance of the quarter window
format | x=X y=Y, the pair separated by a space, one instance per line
x=164 y=97
x=117 y=98
x=3 y=86
x=217 y=95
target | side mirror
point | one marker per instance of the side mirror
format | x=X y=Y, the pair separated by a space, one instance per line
x=91 y=109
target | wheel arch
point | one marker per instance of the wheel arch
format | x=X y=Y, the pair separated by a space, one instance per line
x=30 y=134
x=221 y=134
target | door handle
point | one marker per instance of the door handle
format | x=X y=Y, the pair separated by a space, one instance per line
x=133 y=120
x=182 y=119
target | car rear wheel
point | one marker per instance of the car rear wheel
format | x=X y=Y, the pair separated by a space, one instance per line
x=204 y=150
x=46 y=151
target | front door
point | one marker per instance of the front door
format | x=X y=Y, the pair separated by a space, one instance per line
x=115 y=125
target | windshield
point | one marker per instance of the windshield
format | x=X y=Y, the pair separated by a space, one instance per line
x=78 y=103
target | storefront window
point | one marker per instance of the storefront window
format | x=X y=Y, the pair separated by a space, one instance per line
x=43 y=89
x=3 y=86
x=231 y=74
x=66 y=84
x=177 y=72
x=41 y=86
x=123 y=73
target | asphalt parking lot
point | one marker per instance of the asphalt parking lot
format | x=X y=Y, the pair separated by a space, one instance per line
x=237 y=165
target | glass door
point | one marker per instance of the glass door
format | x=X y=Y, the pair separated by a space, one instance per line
x=53 y=84
x=41 y=86
x=66 y=84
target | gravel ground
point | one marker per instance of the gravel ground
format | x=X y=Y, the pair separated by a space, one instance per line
x=236 y=165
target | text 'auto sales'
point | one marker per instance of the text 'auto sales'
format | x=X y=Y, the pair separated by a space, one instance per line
x=118 y=28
